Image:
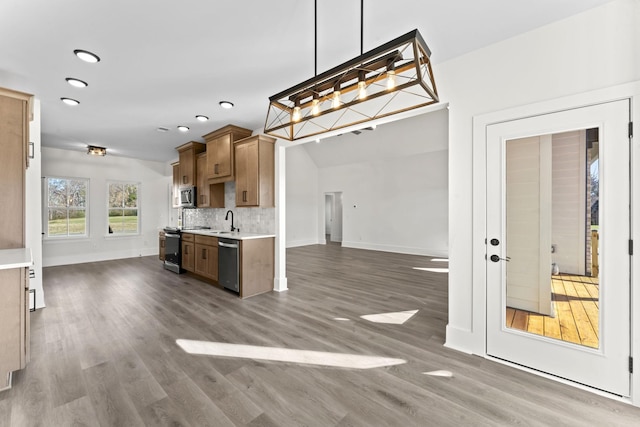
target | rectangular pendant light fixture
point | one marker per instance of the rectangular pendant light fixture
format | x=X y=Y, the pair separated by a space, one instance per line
x=390 y=79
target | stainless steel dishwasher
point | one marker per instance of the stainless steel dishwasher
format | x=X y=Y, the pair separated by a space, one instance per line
x=229 y=264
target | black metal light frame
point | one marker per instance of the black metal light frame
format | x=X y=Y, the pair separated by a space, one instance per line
x=408 y=57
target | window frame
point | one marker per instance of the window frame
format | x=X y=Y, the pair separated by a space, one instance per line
x=46 y=209
x=138 y=209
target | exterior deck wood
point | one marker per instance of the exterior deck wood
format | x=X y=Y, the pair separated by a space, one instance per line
x=576 y=304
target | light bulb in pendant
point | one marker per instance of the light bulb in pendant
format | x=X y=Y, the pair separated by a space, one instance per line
x=335 y=102
x=362 y=90
x=391 y=79
x=297 y=115
x=315 y=106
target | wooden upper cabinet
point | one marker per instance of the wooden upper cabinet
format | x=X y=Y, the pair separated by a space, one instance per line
x=188 y=168
x=254 y=157
x=176 y=185
x=220 y=153
x=209 y=195
x=15 y=114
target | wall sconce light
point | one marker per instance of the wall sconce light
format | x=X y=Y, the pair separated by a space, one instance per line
x=389 y=79
x=96 y=151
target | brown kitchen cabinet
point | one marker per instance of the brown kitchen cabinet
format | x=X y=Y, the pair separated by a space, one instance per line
x=187 y=159
x=176 y=185
x=162 y=240
x=188 y=252
x=220 y=153
x=256 y=266
x=15 y=114
x=209 y=195
x=254 y=157
x=206 y=263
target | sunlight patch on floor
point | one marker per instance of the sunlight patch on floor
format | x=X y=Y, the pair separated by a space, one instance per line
x=440 y=260
x=433 y=270
x=343 y=319
x=447 y=374
x=397 y=318
x=278 y=354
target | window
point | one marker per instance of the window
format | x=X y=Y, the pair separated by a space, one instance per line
x=123 y=208
x=66 y=207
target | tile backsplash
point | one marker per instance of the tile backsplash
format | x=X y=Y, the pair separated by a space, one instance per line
x=252 y=220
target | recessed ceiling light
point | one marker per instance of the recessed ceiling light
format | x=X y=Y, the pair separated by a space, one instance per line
x=226 y=104
x=183 y=128
x=87 y=56
x=202 y=118
x=70 y=101
x=76 y=82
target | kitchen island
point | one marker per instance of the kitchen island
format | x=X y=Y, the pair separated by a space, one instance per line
x=238 y=261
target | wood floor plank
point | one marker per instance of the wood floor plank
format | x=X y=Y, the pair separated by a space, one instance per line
x=75 y=413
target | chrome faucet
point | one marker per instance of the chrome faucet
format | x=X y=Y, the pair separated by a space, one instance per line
x=226 y=217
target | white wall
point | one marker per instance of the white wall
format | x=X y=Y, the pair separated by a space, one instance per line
x=33 y=203
x=154 y=178
x=586 y=52
x=301 y=198
x=393 y=182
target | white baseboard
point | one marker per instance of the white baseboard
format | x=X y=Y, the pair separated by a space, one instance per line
x=53 y=261
x=297 y=243
x=396 y=249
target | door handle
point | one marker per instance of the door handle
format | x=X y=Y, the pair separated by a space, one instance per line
x=496 y=258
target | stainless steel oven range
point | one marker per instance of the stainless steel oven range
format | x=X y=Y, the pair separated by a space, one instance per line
x=173 y=250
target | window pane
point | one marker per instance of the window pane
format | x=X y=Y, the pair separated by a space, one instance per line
x=130 y=196
x=115 y=196
x=57 y=192
x=77 y=193
x=130 y=221
x=57 y=222
x=77 y=221
x=115 y=220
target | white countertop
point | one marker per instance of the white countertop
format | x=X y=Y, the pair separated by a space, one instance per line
x=229 y=235
x=15 y=258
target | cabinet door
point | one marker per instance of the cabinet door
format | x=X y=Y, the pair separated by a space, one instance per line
x=212 y=263
x=202 y=185
x=187 y=162
x=188 y=256
x=176 y=185
x=13 y=127
x=207 y=261
x=220 y=165
x=247 y=183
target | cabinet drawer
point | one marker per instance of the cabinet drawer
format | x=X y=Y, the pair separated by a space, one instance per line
x=206 y=240
x=188 y=237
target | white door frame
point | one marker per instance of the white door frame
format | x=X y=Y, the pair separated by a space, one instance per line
x=476 y=337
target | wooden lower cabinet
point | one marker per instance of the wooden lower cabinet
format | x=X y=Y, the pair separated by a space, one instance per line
x=14 y=322
x=188 y=252
x=162 y=240
x=256 y=263
x=206 y=263
x=256 y=266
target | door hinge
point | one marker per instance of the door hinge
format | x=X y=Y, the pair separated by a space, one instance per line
x=630 y=365
x=630 y=247
x=630 y=129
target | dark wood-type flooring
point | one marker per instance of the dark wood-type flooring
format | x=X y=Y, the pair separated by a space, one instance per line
x=103 y=353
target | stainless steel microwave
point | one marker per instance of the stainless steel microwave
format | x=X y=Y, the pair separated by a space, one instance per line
x=188 y=197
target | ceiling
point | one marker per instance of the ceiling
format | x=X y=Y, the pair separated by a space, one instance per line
x=164 y=62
